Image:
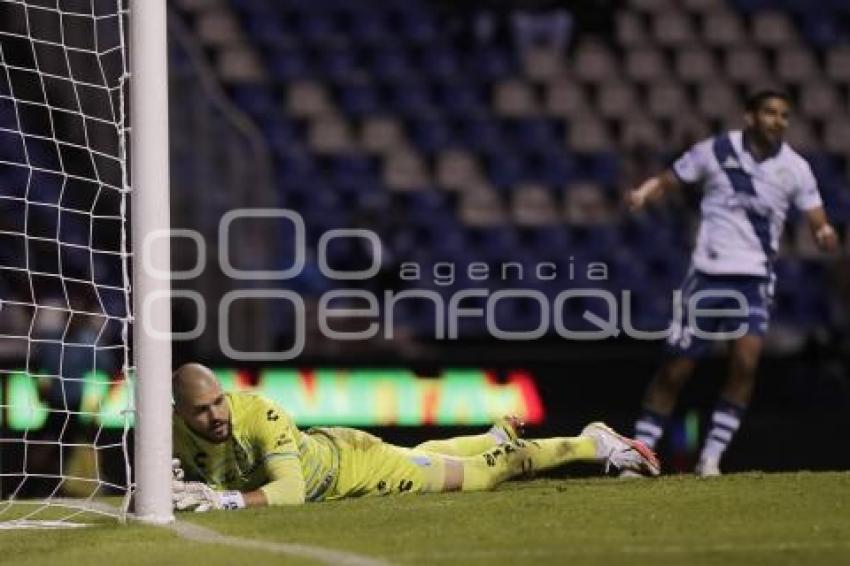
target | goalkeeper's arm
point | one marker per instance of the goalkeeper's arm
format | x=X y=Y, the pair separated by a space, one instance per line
x=285 y=488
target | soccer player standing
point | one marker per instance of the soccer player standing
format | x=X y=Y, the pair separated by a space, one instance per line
x=749 y=179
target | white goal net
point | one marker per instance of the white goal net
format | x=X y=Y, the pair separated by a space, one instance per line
x=65 y=312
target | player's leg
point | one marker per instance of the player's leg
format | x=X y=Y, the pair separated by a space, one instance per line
x=660 y=398
x=597 y=443
x=733 y=403
x=369 y=466
x=504 y=430
x=683 y=351
x=738 y=389
x=378 y=468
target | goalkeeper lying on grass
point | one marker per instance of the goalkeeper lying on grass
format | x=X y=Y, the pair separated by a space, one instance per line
x=239 y=450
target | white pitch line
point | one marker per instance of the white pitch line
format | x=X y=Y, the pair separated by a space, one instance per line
x=201 y=534
x=197 y=533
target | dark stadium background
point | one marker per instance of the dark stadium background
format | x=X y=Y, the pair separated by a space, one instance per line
x=506 y=131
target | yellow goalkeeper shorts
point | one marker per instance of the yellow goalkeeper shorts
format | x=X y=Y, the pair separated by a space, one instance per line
x=369 y=466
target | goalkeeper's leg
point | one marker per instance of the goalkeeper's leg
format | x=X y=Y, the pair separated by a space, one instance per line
x=430 y=472
x=523 y=457
x=505 y=429
x=375 y=468
x=597 y=443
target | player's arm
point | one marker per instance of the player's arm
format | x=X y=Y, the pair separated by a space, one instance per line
x=807 y=198
x=652 y=189
x=690 y=168
x=822 y=231
x=274 y=436
x=287 y=483
x=277 y=440
x=285 y=487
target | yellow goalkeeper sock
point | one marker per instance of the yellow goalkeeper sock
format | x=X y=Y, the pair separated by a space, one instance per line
x=549 y=453
x=503 y=462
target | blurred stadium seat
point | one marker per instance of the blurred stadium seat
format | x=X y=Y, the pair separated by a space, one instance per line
x=381 y=98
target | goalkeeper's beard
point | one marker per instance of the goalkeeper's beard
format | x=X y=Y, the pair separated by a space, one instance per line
x=219 y=431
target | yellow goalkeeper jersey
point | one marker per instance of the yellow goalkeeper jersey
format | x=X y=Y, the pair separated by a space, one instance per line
x=265 y=451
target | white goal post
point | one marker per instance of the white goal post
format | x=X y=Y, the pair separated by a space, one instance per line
x=151 y=222
x=84 y=161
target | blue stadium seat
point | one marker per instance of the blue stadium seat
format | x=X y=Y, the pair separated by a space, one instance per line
x=259 y=101
x=507 y=169
x=282 y=135
x=441 y=63
x=370 y=27
x=461 y=98
x=537 y=134
x=318 y=28
x=297 y=168
x=490 y=63
x=360 y=98
x=392 y=63
x=431 y=134
x=267 y=29
x=428 y=203
x=411 y=99
x=445 y=237
x=287 y=63
x=597 y=241
x=418 y=27
x=481 y=133
x=554 y=168
x=338 y=62
x=544 y=242
x=602 y=168
x=494 y=244
x=352 y=167
x=823 y=29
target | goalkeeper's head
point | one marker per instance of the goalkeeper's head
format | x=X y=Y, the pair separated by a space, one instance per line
x=200 y=402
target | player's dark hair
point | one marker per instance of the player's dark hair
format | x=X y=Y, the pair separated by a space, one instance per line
x=755 y=100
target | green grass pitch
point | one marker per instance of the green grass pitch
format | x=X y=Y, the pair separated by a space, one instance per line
x=754 y=518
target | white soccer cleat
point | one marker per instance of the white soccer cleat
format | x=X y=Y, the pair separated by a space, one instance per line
x=708 y=466
x=625 y=454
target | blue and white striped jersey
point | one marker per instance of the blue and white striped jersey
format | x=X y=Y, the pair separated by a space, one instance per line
x=744 y=202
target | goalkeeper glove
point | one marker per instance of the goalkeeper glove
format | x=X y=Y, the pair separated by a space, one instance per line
x=200 y=497
x=177 y=472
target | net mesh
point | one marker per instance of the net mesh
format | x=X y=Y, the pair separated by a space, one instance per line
x=64 y=280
